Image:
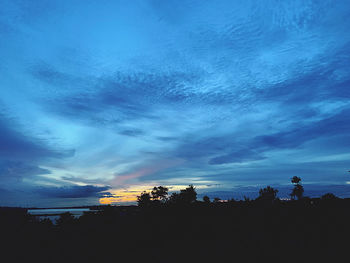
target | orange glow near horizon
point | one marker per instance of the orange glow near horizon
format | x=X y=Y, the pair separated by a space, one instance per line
x=124 y=195
x=129 y=195
x=115 y=200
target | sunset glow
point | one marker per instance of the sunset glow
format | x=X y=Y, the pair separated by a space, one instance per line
x=102 y=100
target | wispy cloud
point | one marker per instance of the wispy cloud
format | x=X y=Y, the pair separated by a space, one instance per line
x=74 y=191
x=154 y=167
x=162 y=91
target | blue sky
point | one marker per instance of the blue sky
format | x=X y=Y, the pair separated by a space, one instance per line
x=99 y=101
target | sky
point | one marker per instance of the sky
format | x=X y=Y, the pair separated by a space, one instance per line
x=100 y=100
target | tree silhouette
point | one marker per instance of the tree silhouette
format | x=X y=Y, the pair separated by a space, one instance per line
x=295 y=180
x=189 y=195
x=144 y=200
x=298 y=189
x=268 y=194
x=329 y=196
x=174 y=198
x=186 y=196
x=159 y=193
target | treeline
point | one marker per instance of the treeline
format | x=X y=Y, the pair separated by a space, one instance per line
x=159 y=196
x=179 y=228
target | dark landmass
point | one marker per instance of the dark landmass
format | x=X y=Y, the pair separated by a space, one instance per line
x=179 y=228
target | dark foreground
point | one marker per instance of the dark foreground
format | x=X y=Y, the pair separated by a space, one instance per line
x=244 y=231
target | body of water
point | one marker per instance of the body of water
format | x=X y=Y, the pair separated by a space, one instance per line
x=54 y=213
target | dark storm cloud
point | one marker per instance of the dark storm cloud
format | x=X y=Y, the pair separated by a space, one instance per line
x=73 y=191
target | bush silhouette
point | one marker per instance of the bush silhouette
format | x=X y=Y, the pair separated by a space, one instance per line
x=206 y=199
x=329 y=196
x=267 y=194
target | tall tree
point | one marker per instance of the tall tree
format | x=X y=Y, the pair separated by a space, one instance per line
x=298 y=189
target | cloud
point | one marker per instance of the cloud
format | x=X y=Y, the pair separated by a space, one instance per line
x=46 y=73
x=237 y=157
x=337 y=125
x=22 y=155
x=16 y=145
x=228 y=150
x=80 y=180
x=324 y=82
x=192 y=147
x=74 y=191
x=18 y=170
x=143 y=171
x=166 y=138
x=108 y=195
x=132 y=132
x=126 y=95
x=236 y=91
